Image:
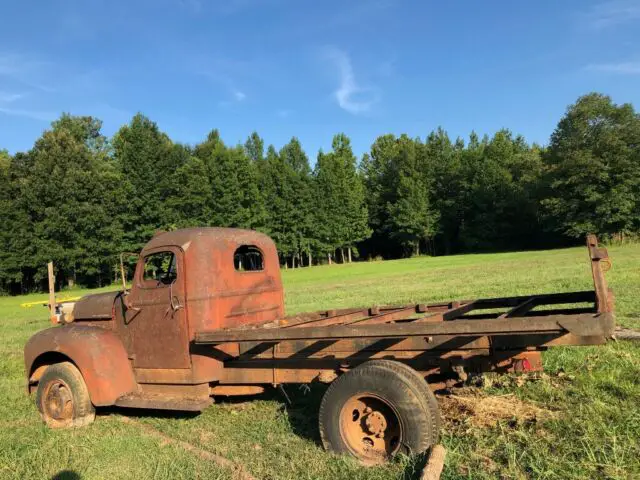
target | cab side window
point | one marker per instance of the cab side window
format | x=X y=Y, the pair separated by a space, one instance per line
x=160 y=268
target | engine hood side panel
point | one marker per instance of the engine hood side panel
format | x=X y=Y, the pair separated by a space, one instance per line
x=98 y=306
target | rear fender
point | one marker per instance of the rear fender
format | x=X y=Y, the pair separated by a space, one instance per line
x=97 y=352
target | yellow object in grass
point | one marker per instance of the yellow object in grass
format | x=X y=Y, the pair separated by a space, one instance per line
x=46 y=303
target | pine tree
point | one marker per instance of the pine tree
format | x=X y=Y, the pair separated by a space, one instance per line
x=331 y=231
x=444 y=158
x=68 y=197
x=13 y=234
x=235 y=198
x=143 y=155
x=278 y=194
x=254 y=146
x=299 y=197
x=354 y=212
x=411 y=219
x=190 y=200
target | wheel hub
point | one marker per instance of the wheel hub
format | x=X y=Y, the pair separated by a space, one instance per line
x=59 y=402
x=376 y=423
x=370 y=428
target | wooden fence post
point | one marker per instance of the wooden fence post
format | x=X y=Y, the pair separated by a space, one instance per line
x=52 y=294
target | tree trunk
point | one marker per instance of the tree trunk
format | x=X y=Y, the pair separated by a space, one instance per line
x=309 y=257
x=349 y=253
x=329 y=255
x=341 y=250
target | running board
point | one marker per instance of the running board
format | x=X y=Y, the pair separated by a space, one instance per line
x=163 y=402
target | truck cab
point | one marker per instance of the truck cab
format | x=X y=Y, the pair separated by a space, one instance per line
x=136 y=342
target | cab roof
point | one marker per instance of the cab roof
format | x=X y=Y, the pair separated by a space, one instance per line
x=214 y=237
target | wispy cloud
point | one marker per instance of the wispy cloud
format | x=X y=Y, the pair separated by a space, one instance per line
x=223 y=72
x=23 y=70
x=620 y=68
x=10 y=105
x=350 y=95
x=39 y=89
x=612 y=13
x=6 y=97
x=32 y=114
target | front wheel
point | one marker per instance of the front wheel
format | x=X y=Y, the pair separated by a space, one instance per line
x=377 y=410
x=62 y=397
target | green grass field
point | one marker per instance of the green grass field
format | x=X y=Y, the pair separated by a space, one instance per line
x=591 y=394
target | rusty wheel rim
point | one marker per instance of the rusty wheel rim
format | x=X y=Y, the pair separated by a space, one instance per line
x=58 y=401
x=370 y=427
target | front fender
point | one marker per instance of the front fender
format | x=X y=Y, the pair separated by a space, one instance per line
x=97 y=352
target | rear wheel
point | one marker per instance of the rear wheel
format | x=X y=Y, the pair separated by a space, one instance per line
x=377 y=410
x=62 y=397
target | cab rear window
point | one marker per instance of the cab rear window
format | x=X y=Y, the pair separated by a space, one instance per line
x=248 y=258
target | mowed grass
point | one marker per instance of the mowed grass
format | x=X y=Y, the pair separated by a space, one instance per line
x=593 y=392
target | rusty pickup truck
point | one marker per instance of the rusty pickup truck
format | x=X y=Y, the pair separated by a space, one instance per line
x=205 y=317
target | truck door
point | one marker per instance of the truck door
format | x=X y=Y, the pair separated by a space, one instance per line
x=157 y=320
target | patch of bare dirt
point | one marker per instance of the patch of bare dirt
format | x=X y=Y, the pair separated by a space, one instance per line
x=474 y=408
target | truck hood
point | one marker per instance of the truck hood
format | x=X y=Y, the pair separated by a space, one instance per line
x=98 y=306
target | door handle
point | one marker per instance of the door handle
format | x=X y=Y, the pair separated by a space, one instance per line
x=175 y=303
x=130 y=311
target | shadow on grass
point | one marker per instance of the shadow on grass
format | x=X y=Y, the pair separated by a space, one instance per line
x=300 y=403
x=144 y=413
x=66 y=475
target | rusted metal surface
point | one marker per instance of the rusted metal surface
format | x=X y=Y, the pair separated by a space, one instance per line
x=236 y=390
x=217 y=325
x=583 y=324
x=97 y=352
x=162 y=401
x=193 y=398
x=156 y=317
x=600 y=263
x=371 y=427
x=98 y=306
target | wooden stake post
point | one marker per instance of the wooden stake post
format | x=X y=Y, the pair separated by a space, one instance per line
x=52 y=295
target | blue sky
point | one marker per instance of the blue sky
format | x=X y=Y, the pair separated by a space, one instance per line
x=312 y=68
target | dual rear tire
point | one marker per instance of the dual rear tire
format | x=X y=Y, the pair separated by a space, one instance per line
x=377 y=410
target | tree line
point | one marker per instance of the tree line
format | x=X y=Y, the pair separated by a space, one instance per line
x=79 y=198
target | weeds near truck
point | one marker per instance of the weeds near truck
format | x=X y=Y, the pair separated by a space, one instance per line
x=592 y=393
